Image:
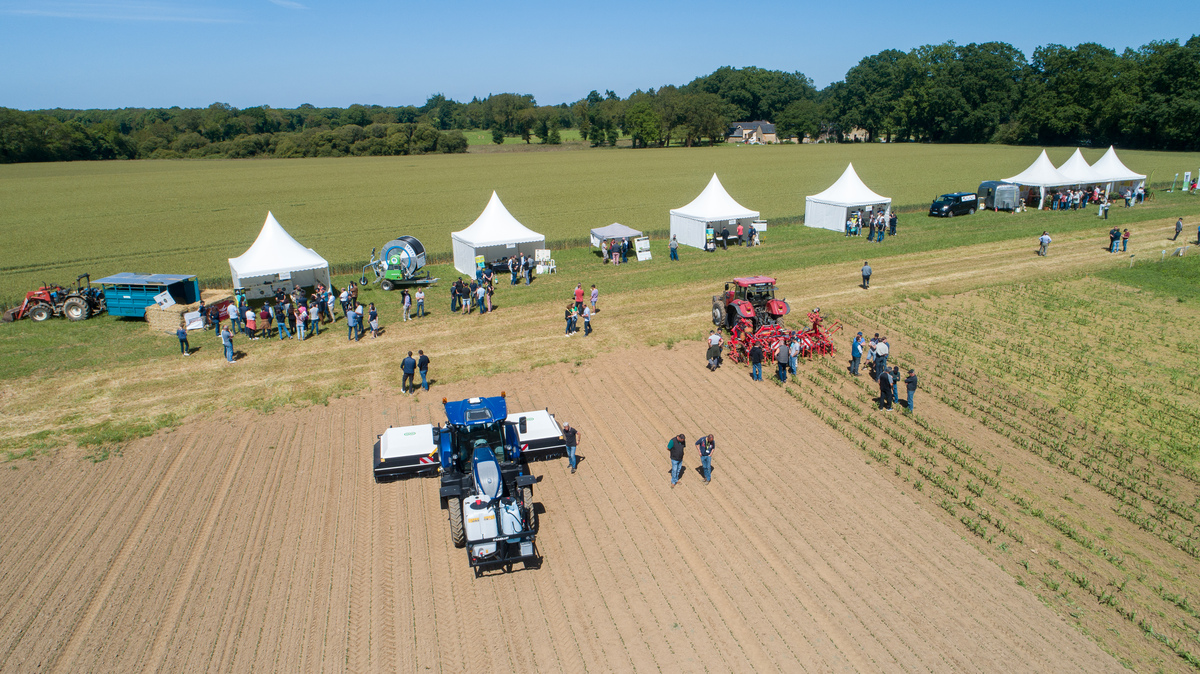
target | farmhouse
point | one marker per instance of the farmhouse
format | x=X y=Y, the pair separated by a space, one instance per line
x=751 y=132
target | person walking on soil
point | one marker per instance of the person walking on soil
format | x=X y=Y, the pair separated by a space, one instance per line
x=856 y=352
x=181 y=333
x=676 y=448
x=1043 y=243
x=1178 y=228
x=881 y=355
x=571 y=438
x=896 y=385
x=409 y=367
x=910 y=385
x=227 y=343
x=713 y=355
x=706 y=444
x=866 y=274
x=423 y=368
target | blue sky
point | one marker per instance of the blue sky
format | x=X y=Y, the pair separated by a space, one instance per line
x=160 y=53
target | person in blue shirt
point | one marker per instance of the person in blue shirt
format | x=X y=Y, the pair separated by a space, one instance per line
x=227 y=342
x=866 y=274
x=184 y=347
x=409 y=367
x=351 y=324
x=706 y=445
x=856 y=349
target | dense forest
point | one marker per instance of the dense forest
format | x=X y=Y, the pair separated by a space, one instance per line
x=976 y=93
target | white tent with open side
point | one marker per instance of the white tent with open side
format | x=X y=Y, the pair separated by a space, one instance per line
x=1076 y=168
x=614 y=231
x=1115 y=174
x=830 y=209
x=495 y=234
x=276 y=260
x=713 y=208
x=1040 y=174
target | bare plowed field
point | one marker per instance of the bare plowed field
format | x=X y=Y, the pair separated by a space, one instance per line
x=262 y=542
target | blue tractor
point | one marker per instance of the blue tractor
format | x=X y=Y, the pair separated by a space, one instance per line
x=482 y=458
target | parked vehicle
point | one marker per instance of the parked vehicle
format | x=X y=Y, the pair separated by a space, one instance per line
x=998 y=195
x=950 y=205
x=77 y=304
x=751 y=298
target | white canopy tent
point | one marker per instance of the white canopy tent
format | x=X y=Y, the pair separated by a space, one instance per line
x=1111 y=171
x=494 y=234
x=831 y=209
x=1040 y=174
x=1076 y=168
x=614 y=231
x=713 y=208
x=275 y=259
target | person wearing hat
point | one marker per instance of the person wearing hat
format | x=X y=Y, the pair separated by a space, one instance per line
x=910 y=384
x=856 y=350
x=571 y=437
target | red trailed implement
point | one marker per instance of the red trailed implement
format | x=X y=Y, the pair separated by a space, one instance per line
x=815 y=341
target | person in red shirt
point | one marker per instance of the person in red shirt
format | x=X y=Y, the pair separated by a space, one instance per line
x=579 y=297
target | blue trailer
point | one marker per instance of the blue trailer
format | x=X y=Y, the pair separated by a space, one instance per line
x=129 y=294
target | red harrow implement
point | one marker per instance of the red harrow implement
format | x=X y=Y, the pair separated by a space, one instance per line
x=815 y=341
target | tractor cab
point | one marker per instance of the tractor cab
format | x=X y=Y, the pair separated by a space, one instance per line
x=473 y=423
x=751 y=298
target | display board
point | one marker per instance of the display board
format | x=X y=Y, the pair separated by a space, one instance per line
x=642 y=246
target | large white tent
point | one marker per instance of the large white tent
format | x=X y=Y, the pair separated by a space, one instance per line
x=1076 y=168
x=1040 y=174
x=830 y=209
x=495 y=234
x=275 y=259
x=713 y=208
x=1111 y=171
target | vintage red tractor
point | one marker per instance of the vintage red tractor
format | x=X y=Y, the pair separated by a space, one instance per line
x=752 y=299
x=78 y=303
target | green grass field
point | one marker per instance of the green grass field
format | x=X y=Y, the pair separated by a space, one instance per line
x=63 y=219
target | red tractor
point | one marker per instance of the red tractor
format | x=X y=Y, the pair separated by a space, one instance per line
x=751 y=299
x=77 y=304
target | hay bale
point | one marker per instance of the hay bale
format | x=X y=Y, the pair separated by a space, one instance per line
x=166 y=321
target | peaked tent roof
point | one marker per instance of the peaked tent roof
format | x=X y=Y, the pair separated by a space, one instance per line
x=495 y=226
x=1076 y=168
x=1110 y=168
x=714 y=203
x=275 y=251
x=1041 y=173
x=848 y=190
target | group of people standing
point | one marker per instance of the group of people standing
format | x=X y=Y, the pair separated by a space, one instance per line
x=743 y=236
x=518 y=265
x=878 y=224
x=582 y=306
x=1117 y=237
x=615 y=251
x=466 y=297
x=877 y=352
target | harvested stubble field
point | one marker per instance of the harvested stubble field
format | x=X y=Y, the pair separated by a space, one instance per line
x=261 y=542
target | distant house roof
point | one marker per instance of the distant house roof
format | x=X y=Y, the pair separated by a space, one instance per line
x=763 y=127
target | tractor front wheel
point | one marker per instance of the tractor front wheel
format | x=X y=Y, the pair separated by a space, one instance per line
x=387 y=285
x=527 y=499
x=718 y=313
x=76 y=309
x=456 y=523
x=40 y=312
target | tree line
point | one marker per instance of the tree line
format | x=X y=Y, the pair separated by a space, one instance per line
x=1147 y=97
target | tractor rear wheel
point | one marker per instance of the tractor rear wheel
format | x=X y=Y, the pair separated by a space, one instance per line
x=387 y=285
x=456 y=524
x=40 y=312
x=718 y=313
x=76 y=309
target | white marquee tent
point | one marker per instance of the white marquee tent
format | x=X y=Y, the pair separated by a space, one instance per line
x=494 y=234
x=713 y=208
x=1040 y=174
x=275 y=259
x=830 y=209
x=1076 y=168
x=1110 y=170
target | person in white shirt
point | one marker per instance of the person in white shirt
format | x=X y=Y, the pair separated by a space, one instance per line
x=1044 y=240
